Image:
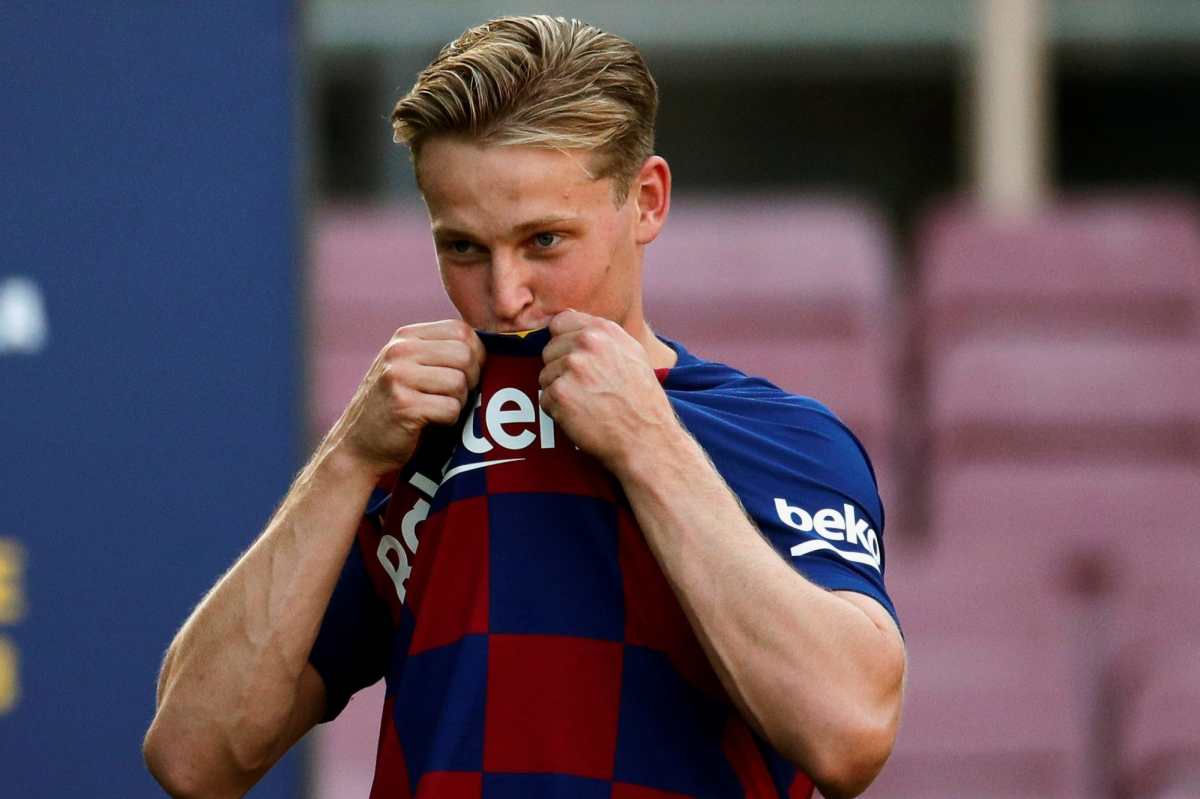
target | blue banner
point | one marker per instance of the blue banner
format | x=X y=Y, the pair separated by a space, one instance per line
x=149 y=359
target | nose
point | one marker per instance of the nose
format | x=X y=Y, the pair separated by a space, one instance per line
x=511 y=290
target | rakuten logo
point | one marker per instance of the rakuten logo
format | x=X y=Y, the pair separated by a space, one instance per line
x=513 y=421
x=832 y=525
x=389 y=546
x=510 y=421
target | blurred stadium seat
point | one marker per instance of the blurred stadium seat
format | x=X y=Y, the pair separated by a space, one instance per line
x=1127 y=266
x=1009 y=537
x=986 y=716
x=1159 y=695
x=1003 y=397
x=1039 y=578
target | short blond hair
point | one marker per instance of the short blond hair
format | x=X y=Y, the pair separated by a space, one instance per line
x=541 y=81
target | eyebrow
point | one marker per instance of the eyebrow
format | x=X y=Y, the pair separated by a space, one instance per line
x=443 y=233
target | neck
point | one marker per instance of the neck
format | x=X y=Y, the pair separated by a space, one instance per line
x=660 y=354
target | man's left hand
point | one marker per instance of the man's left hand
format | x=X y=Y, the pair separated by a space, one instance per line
x=599 y=386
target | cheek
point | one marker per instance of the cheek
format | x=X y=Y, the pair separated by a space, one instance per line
x=585 y=280
x=462 y=290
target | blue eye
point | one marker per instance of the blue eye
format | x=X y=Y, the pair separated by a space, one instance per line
x=545 y=239
x=462 y=246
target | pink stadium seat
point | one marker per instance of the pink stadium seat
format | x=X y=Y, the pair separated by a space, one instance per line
x=815 y=269
x=1154 y=681
x=1084 y=271
x=1009 y=530
x=1127 y=266
x=989 y=706
x=987 y=716
x=1160 y=734
x=1087 y=399
x=1036 y=577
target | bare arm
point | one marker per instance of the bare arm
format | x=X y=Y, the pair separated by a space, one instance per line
x=236 y=690
x=818 y=673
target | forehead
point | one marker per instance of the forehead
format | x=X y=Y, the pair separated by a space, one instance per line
x=468 y=183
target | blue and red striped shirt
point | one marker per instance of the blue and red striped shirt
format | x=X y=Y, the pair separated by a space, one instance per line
x=531 y=645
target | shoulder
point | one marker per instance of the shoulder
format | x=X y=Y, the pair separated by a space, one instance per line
x=754 y=431
x=801 y=475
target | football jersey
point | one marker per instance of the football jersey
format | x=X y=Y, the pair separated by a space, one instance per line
x=531 y=645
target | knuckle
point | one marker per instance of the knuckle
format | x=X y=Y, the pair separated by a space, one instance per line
x=400 y=410
x=398 y=393
x=394 y=377
x=463 y=356
x=446 y=410
x=409 y=331
x=398 y=348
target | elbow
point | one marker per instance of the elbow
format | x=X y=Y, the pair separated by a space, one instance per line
x=849 y=759
x=182 y=767
x=848 y=764
x=168 y=749
x=169 y=766
x=846 y=759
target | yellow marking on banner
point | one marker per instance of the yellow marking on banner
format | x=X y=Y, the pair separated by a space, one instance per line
x=10 y=683
x=12 y=574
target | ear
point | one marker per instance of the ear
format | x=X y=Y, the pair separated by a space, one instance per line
x=651 y=193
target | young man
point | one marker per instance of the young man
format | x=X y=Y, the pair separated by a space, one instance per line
x=533 y=145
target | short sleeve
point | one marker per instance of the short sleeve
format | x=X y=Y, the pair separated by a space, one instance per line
x=829 y=538
x=351 y=649
x=805 y=481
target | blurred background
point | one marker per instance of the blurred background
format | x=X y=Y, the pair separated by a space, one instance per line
x=971 y=228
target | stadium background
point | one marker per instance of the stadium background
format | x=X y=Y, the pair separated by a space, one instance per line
x=971 y=228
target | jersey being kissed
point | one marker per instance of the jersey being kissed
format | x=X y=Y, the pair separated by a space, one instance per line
x=531 y=644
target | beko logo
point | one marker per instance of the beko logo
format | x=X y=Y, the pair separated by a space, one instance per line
x=832 y=525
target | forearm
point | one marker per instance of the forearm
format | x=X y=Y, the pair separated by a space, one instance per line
x=229 y=682
x=803 y=664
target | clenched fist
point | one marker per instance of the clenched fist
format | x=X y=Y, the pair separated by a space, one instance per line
x=422 y=376
x=599 y=386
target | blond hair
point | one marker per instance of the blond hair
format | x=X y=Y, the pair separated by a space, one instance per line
x=541 y=81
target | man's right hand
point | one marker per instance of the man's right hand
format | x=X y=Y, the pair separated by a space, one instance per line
x=422 y=376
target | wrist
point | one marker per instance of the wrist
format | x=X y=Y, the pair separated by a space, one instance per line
x=664 y=447
x=341 y=458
